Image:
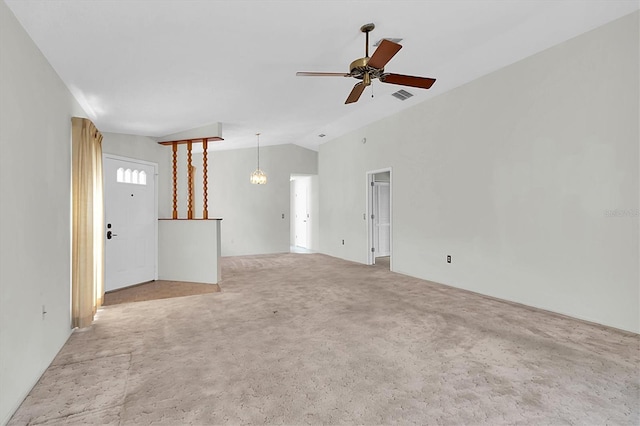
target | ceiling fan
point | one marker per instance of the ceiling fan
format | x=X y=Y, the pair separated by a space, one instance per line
x=368 y=68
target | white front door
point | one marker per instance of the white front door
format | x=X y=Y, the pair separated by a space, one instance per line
x=131 y=222
x=382 y=219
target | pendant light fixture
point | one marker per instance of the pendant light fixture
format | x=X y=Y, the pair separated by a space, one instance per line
x=258 y=177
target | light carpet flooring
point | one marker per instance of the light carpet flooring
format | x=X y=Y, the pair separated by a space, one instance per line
x=310 y=339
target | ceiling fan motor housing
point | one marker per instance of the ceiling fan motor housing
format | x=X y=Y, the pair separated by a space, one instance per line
x=360 y=67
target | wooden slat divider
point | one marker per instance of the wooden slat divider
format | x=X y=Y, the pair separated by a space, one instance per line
x=190 y=180
x=205 y=211
x=191 y=174
x=174 y=147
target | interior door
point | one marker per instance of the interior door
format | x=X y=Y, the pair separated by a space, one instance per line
x=382 y=219
x=302 y=213
x=131 y=222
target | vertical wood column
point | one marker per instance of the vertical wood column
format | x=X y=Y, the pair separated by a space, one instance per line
x=174 y=147
x=205 y=211
x=190 y=179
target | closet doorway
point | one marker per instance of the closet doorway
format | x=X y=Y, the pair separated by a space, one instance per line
x=379 y=217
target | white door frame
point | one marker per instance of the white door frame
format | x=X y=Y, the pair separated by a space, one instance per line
x=370 y=176
x=155 y=201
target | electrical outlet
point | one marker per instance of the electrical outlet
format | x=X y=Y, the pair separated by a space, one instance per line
x=283 y=215
x=448 y=258
x=342 y=242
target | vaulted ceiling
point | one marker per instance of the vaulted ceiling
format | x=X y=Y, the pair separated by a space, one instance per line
x=155 y=67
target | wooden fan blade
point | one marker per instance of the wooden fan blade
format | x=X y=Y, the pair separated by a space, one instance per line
x=322 y=74
x=355 y=93
x=408 y=80
x=383 y=54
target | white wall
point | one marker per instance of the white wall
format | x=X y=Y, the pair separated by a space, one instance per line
x=513 y=175
x=189 y=250
x=147 y=149
x=35 y=189
x=252 y=214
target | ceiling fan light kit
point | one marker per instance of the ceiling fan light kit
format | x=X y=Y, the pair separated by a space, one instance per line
x=369 y=68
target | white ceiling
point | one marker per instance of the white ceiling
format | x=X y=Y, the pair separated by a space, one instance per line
x=159 y=67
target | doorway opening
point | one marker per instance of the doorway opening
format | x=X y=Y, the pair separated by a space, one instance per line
x=303 y=225
x=379 y=217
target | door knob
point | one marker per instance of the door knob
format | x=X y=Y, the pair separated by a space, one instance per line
x=111 y=235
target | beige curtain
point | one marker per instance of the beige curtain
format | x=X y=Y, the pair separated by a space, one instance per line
x=87 y=278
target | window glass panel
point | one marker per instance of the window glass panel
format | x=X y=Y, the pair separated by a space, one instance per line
x=134 y=177
x=120 y=175
x=127 y=176
x=142 y=180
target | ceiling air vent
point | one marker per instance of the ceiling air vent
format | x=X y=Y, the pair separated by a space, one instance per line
x=402 y=94
x=395 y=40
